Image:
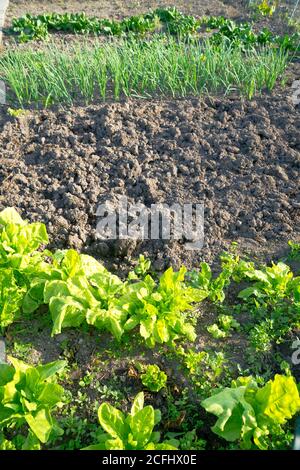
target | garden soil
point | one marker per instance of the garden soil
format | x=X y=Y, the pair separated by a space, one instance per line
x=239 y=158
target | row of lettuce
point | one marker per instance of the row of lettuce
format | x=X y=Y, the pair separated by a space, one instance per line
x=78 y=290
x=166 y=20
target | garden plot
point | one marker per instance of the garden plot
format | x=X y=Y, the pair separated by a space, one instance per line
x=158 y=108
x=240 y=158
x=120 y=9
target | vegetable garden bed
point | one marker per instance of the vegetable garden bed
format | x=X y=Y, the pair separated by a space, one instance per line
x=101 y=336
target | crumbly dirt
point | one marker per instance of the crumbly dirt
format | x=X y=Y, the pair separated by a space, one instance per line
x=240 y=158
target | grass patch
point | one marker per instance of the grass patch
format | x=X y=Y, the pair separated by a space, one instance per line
x=83 y=72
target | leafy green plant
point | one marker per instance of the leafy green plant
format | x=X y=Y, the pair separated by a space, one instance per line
x=169 y=20
x=30 y=27
x=253 y=415
x=130 y=432
x=19 y=261
x=267 y=7
x=16 y=113
x=206 y=368
x=77 y=432
x=5 y=444
x=188 y=440
x=215 y=288
x=154 y=378
x=141 y=269
x=80 y=290
x=158 y=310
x=216 y=332
x=27 y=396
x=226 y=323
x=271 y=284
x=294 y=250
x=262 y=335
x=19 y=239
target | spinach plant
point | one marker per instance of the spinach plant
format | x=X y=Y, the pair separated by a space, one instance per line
x=133 y=431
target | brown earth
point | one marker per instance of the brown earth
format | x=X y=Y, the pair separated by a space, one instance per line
x=240 y=158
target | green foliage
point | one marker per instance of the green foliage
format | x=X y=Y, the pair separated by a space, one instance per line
x=141 y=269
x=5 y=444
x=169 y=20
x=77 y=432
x=78 y=289
x=27 y=397
x=154 y=378
x=19 y=261
x=16 y=113
x=266 y=7
x=262 y=335
x=215 y=288
x=294 y=250
x=135 y=67
x=190 y=441
x=82 y=290
x=243 y=35
x=206 y=368
x=18 y=238
x=130 y=432
x=271 y=283
x=226 y=324
x=30 y=27
x=254 y=415
x=216 y=332
x=158 y=310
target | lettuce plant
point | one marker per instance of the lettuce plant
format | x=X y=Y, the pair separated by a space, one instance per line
x=270 y=283
x=154 y=378
x=226 y=323
x=78 y=289
x=27 y=397
x=216 y=332
x=84 y=291
x=214 y=288
x=133 y=431
x=19 y=261
x=252 y=415
x=159 y=310
x=18 y=238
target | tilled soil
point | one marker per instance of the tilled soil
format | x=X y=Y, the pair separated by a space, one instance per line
x=241 y=159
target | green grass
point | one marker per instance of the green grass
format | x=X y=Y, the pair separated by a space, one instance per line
x=83 y=72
